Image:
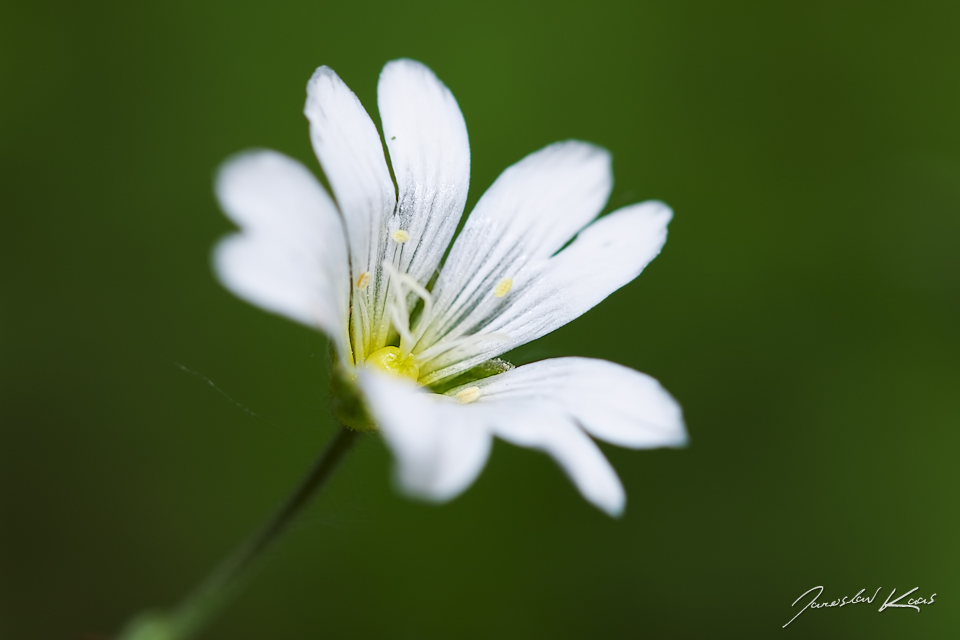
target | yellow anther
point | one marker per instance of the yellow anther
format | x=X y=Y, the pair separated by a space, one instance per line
x=468 y=395
x=400 y=236
x=503 y=287
x=363 y=281
x=389 y=359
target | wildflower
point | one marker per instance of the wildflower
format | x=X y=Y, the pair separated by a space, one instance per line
x=417 y=345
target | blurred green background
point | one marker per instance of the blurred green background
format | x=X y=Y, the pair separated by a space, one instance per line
x=805 y=312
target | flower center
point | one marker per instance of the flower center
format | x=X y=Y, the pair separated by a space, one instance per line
x=391 y=360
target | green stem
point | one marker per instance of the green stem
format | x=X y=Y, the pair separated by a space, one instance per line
x=212 y=596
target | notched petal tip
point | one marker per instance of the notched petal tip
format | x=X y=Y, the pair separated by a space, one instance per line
x=611 y=499
x=221 y=259
x=411 y=485
x=681 y=437
x=323 y=73
x=408 y=89
x=438 y=454
x=234 y=165
x=586 y=154
x=231 y=181
x=408 y=65
x=323 y=80
x=657 y=210
x=616 y=509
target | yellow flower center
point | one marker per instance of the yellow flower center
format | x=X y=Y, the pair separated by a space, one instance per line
x=390 y=360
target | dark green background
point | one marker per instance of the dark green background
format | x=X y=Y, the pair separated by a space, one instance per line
x=805 y=312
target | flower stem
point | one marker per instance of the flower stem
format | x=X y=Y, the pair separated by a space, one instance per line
x=199 y=608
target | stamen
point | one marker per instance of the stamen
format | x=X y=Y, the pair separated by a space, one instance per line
x=363 y=281
x=503 y=287
x=468 y=395
x=408 y=338
x=400 y=236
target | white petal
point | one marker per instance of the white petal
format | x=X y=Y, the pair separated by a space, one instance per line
x=440 y=449
x=441 y=446
x=612 y=402
x=351 y=153
x=605 y=256
x=291 y=257
x=542 y=425
x=532 y=210
x=430 y=153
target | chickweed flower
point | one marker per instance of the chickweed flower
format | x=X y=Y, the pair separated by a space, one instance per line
x=417 y=337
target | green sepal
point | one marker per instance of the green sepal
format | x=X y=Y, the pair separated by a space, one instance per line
x=347 y=401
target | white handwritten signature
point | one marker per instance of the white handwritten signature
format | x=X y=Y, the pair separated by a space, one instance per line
x=912 y=603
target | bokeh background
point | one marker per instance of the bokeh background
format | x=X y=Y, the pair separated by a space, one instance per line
x=805 y=312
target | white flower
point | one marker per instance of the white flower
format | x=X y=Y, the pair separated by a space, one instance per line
x=366 y=271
